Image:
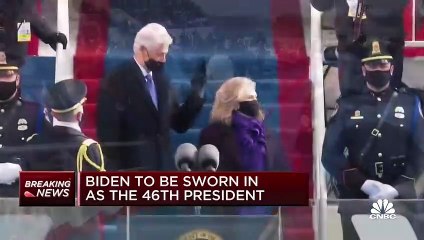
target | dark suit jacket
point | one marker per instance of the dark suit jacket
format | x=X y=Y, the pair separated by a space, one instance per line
x=133 y=133
x=223 y=137
x=14 y=12
x=56 y=149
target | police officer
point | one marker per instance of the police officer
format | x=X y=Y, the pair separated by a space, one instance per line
x=18 y=121
x=18 y=21
x=63 y=147
x=359 y=20
x=373 y=143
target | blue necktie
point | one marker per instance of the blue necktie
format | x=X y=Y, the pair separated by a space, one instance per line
x=152 y=89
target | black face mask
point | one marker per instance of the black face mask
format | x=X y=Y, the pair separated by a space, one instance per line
x=7 y=89
x=378 y=79
x=249 y=108
x=153 y=65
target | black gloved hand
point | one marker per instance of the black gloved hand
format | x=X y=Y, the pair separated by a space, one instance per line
x=198 y=81
x=330 y=54
x=56 y=38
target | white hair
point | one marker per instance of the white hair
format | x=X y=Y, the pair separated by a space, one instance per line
x=151 y=36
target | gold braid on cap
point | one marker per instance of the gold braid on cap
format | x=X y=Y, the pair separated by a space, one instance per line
x=71 y=108
x=387 y=57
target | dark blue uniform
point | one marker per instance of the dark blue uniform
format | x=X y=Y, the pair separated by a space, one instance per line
x=63 y=147
x=376 y=138
x=19 y=120
x=59 y=149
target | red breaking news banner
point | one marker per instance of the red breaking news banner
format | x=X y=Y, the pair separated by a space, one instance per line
x=193 y=189
x=47 y=189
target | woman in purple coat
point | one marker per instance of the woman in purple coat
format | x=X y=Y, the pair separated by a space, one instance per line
x=237 y=129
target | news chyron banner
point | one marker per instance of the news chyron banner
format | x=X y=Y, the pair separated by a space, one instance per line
x=168 y=188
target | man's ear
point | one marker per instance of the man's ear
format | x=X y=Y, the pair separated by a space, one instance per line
x=18 y=80
x=79 y=116
x=392 y=68
x=144 y=52
x=364 y=71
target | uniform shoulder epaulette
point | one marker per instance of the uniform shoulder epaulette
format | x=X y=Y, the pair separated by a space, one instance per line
x=88 y=142
x=83 y=156
x=409 y=91
x=415 y=93
x=346 y=99
x=29 y=103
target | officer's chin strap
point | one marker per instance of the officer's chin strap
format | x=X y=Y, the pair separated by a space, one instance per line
x=82 y=155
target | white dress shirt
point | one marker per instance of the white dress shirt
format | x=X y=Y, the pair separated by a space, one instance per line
x=73 y=125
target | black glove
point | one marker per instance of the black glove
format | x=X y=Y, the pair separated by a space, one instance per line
x=198 y=81
x=330 y=54
x=56 y=38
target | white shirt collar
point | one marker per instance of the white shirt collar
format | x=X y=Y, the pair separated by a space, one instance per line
x=143 y=69
x=73 y=125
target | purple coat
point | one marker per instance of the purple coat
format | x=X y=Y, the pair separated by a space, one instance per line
x=225 y=138
x=268 y=156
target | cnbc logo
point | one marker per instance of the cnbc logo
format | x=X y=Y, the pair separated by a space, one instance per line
x=47 y=189
x=382 y=209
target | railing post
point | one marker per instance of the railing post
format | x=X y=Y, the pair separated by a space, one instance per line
x=316 y=76
x=413 y=20
x=64 y=58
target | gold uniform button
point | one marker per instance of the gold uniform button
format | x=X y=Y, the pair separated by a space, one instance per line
x=379 y=99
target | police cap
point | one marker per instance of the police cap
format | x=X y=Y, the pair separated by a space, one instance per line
x=375 y=51
x=66 y=95
x=6 y=68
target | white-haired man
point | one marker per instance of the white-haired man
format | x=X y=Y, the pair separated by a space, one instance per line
x=137 y=109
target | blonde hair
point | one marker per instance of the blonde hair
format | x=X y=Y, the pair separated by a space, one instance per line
x=151 y=36
x=227 y=99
